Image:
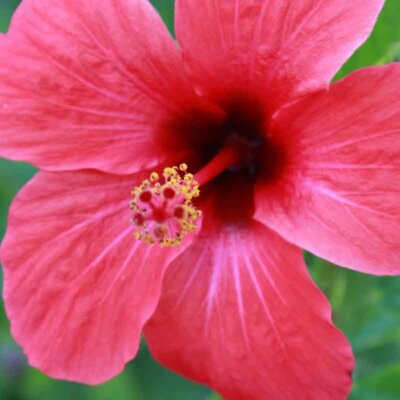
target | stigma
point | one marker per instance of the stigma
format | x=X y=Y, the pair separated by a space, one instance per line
x=162 y=206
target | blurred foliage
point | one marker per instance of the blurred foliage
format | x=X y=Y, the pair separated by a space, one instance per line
x=366 y=308
x=383 y=46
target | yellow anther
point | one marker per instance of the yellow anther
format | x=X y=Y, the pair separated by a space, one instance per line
x=163 y=209
x=154 y=177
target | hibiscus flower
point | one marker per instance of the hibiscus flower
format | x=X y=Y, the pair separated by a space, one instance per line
x=180 y=181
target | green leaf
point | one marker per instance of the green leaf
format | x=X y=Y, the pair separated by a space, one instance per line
x=214 y=397
x=7 y=7
x=384 y=383
x=383 y=45
x=166 y=10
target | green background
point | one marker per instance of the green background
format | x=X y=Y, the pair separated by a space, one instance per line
x=366 y=308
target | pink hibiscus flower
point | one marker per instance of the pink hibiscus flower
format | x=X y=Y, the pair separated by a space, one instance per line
x=98 y=95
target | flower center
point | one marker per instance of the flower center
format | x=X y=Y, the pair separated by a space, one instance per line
x=228 y=157
x=163 y=206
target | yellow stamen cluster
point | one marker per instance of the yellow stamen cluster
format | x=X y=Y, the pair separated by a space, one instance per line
x=163 y=208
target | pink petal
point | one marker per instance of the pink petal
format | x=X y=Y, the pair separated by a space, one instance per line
x=240 y=313
x=89 y=84
x=345 y=205
x=77 y=286
x=280 y=48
